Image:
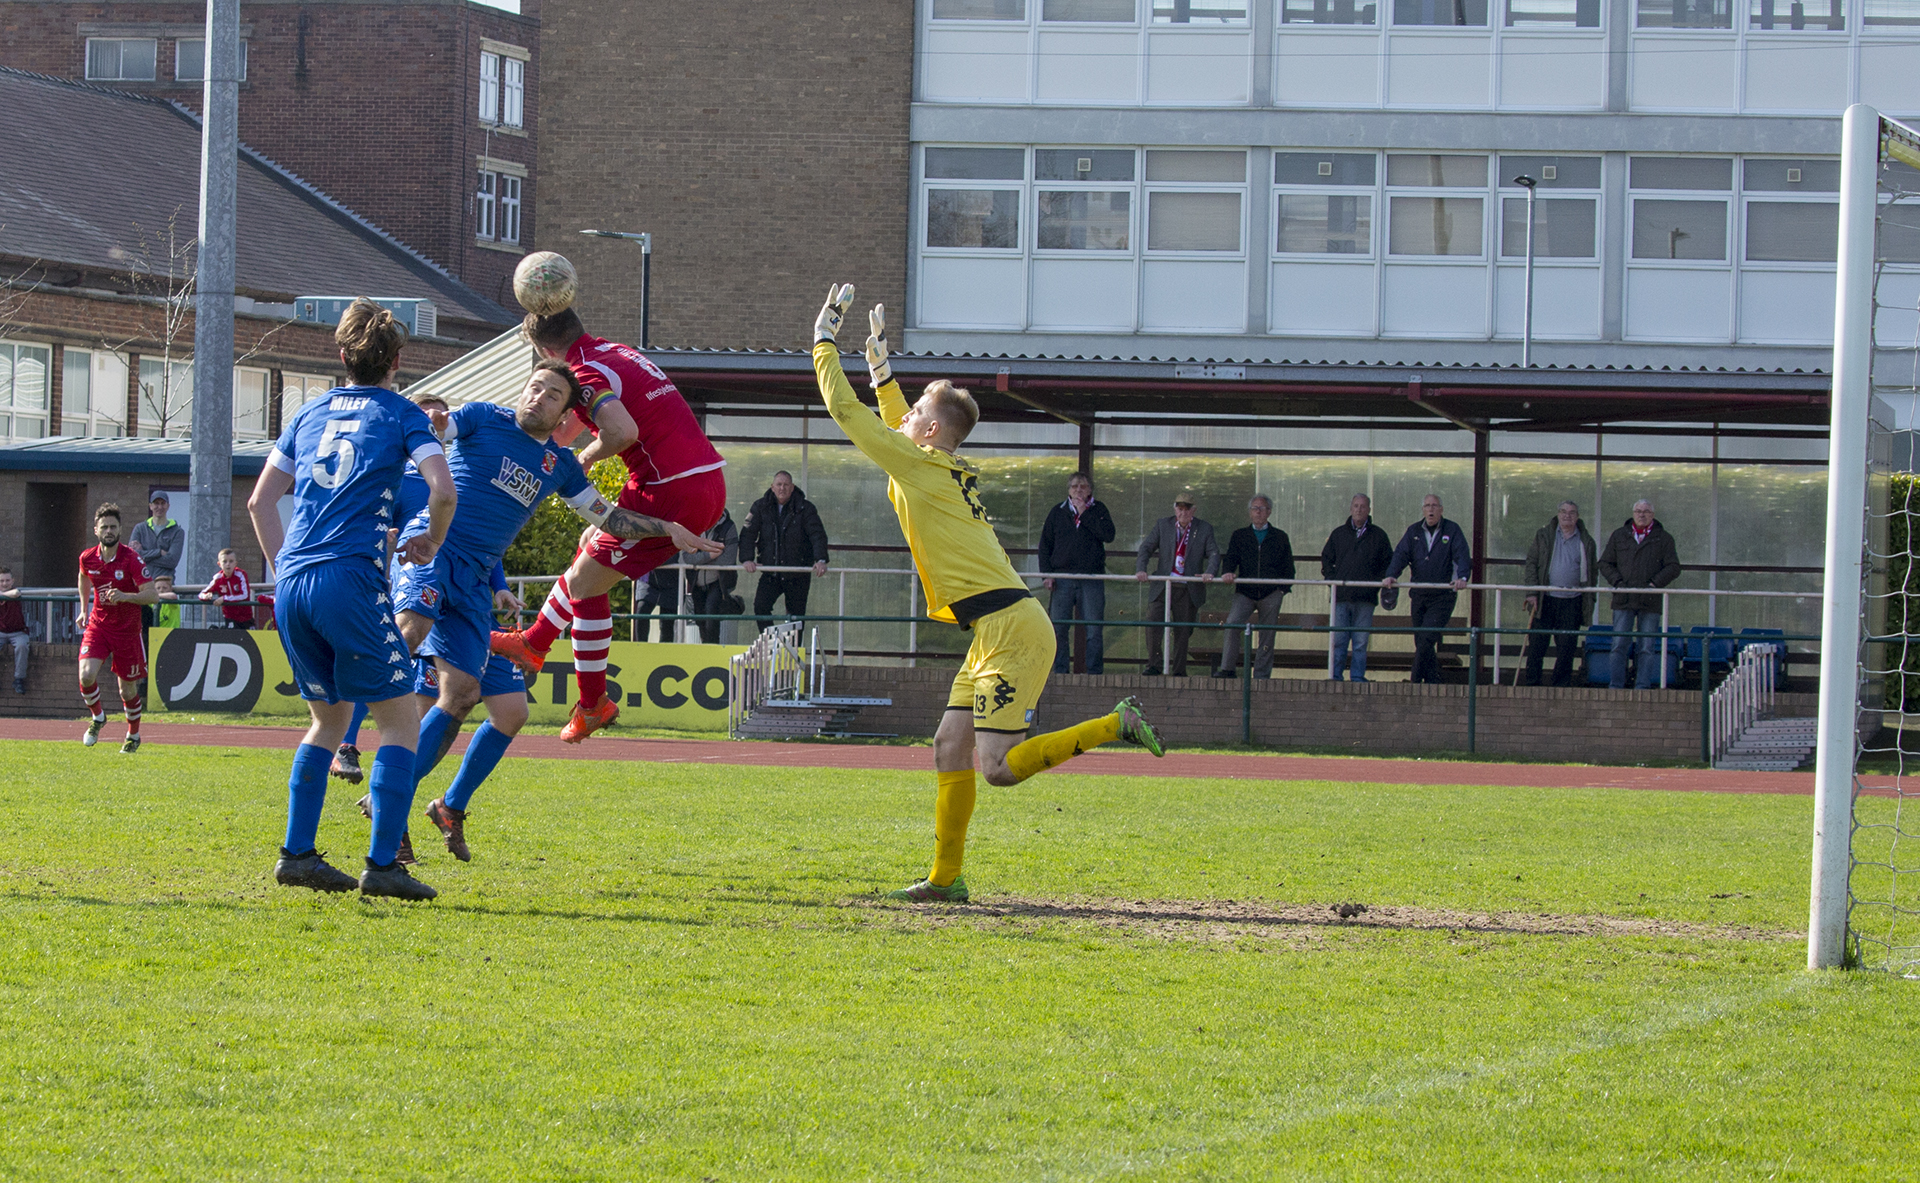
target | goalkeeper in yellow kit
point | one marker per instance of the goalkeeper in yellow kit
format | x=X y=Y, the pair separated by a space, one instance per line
x=968 y=582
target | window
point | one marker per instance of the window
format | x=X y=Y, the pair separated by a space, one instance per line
x=1899 y=233
x=974 y=217
x=166 y=398
x=1790 y=176
x=513 y=92
x=1552 y=172
x=509 y=216
x=252 y=389
x=190 y=61
x=1789 y=231
x=979 y=10
x=1325 y=223
x=1470 y=13
x=1553 y=14
x=1329 y=12
x=93 y=392
x=1083 y=164
x=1563 y=228
x=1434 y=224
x=23 y=390
x=489 y=88
x=121 y=59
x=483 y=219
x=296 y=390
x=1084 y=220
x=1684 y=14
x=1799 y=14
x=1891 y=13
x=1199 y=12
x=1109 y=11
x=1195 y=219
x=1666 y=229
x=1681 y=172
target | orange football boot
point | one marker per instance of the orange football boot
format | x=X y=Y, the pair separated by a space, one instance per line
x=585 y=722
x=513 y=646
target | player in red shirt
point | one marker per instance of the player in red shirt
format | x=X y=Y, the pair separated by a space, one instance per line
x=233 y=591
x=114 y=583
x=673 y=481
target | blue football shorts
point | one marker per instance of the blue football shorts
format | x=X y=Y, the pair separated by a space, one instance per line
x=501 y=677
x=336 y=624
x=455 y=596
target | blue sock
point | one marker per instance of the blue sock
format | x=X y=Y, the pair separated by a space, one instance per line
x=353 y=728
x=392 y=783
x=436 y=728
x=482 y=754
x=306 y=793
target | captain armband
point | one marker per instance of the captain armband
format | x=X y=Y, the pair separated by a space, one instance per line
x=590 y=505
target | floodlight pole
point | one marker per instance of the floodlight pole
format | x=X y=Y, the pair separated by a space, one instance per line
x=210 y=480
x=1526 y=311
x=1840 y=611
x=646 y=269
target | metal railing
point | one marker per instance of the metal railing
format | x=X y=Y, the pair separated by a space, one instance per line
x=1745 y=697
x=771 y=668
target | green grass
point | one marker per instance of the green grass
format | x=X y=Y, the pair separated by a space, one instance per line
x=684 y=972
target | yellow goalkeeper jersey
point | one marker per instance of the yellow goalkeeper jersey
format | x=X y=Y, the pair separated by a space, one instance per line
x=935 y=493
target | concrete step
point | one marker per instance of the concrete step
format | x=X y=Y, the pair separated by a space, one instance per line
x=1734 y=765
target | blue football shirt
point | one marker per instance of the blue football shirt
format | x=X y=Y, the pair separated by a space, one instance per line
x=501 y=474
x=346 y=451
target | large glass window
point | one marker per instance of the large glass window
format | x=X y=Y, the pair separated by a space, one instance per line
x=1552 y=172
x=1790 y=176
x=1325 y=224
x=1684 y=14
x=513 y=92
x=979 y=10
x=1437 y=172
x=489 y=88
x=1793 y=231
x=1899 y=240
x=127 y=59
x=23 y=390
x=1563 y=227
x=190 y=60
x=1667 y=229
x=1088 y=10
x=1199 y=12
x=251 y=392
x=1197 y=166
x=1193 y=221
x=1798 y=14
x=1084 y=220
x=1324 y=168
x=1704 y=173
x=1470 y=13
x=166 y=397
x=509 y=208
x=483 y=204
x=1329 y=12
x=978 y=218
x=76 y=392
x=1553 y=14
x=1435 y=225
x=1083 y=164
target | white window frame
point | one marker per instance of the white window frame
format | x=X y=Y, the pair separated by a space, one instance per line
x=507 y=197
x=9 y=411
x=513 y=92
x=1376 y=247
x=1019 y=188
x=95 y=422
x=489 y=87
x=1149 y=188
x=1038 y=10
x=1136 y=221
x=120 y=59
x=485 y=194
x=242 y=429
x=298 y=389
x=1242 y=21
x=178 y=405
x=1482 y=193
x=1505 y=190
x=1728 y=197
x=180 y=44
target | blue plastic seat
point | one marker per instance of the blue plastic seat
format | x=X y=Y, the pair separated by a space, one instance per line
x=1599 y=653
x=1702 y=638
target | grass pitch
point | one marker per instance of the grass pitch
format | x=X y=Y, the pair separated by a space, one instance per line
x=686 y=972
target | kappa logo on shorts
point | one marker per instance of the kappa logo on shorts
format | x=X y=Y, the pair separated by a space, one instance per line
x=398 y=676
x=316 y=689
x=391 y=639
x=547 y=462
x=1003 y=693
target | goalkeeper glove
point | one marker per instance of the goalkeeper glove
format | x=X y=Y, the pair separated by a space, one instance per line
x=839 y=298
x=877 y=364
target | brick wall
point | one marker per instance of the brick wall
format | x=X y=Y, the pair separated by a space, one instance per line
x=375 y=103
x=763 y=145
x=130 y=490
x=1373 y=719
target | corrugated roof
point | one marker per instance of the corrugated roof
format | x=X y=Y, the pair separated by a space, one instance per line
x=494 y=373
x=138 y=454
x=95 y=178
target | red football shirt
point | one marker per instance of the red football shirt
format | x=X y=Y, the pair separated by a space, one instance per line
x=127 y=573
x=671 y=444
x=234 y=593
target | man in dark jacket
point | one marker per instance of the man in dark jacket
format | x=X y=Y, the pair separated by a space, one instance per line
x=1073 y=541
x=1562 y=557
x=710 y=592
x=1187 y=550
x=783 y=530
x=1356 y=551
x=1257 y=552
x=1640 y=554
x=1433 y=550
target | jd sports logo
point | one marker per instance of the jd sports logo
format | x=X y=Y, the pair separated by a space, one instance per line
x=209 y=670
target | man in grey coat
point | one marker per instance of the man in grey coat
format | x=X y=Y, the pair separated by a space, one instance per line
x=1640 y=554
x=1562 y=557
x=159 y=540
x=1185 y=546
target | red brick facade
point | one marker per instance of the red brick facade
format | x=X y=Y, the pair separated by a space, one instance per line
x=377 y=104
x=764 y=146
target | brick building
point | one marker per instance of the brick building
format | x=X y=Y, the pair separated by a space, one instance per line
x=419 y=115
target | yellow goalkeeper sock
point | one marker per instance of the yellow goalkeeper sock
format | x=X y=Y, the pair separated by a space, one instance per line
x=950 y=816
x=1057 y=747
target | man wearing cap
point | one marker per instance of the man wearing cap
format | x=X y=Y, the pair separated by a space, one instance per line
x=160 y=543
x=1187 y=549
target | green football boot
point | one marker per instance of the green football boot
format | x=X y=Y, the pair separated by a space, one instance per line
x=1134 y=727
x=928 y=892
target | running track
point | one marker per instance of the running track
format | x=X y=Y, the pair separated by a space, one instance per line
x=1122 y=762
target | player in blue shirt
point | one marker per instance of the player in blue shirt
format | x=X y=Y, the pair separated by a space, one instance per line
x=341 y=457
x=504 y=463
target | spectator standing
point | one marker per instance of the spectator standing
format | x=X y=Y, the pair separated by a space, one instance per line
x=659 y=592
x=160 y=542
x=1257 y=551
x=1073 y=540
x=1357 y=551
x=1433 y=550
x=231 y=588
x=710 y=591
x=13 y=630
x=1185 y=546
x=783 y=529
x=1562 y=557
x=1639 y=555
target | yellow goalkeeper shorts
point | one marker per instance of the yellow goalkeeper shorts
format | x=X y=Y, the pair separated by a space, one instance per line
x=1006 y=668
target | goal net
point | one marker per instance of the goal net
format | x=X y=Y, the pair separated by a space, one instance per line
x=1866 y=865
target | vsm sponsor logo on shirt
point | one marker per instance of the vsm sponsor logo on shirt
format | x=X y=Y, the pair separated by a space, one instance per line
x=517 y=482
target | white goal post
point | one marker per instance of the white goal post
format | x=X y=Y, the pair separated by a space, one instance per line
x=1852 y=663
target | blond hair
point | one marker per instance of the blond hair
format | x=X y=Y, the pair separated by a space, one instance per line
x=370 y=339
x=954 y=407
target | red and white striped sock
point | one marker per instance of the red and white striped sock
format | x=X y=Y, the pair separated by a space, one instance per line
x=592 y=636
x=132 y=707
x=90 y=694
x=555 y=616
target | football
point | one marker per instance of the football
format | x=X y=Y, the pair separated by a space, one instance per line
x=544 y=283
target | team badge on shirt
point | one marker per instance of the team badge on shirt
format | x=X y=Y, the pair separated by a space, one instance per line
x=546 y=464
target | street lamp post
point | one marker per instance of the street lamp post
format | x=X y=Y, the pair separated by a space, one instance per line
x=1526 y=312
x=646 y=270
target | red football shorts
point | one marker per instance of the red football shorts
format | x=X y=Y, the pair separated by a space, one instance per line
x=124 y=647
x=695 y=502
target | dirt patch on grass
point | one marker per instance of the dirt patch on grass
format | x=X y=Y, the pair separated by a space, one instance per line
x=1231 y=921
